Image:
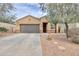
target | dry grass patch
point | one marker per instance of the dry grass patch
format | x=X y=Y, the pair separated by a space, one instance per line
x=58 y=46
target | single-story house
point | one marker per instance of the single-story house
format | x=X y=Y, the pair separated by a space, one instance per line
x=31 y=24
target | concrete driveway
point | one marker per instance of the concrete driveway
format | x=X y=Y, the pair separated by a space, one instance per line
x=22 y=44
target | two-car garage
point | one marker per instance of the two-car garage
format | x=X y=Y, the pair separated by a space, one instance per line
x=31 y=24
x=29 y=28
x=28 y=24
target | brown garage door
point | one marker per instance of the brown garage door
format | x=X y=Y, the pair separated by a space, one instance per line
x=29 y=28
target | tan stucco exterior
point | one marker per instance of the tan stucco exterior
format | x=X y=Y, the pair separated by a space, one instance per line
x=33 y=20
x=45 y=20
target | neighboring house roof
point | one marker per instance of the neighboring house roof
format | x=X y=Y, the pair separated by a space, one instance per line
x=43 y=17
x=46 y=17
x=28 y=16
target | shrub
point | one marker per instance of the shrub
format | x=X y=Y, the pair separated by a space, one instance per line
x=74 y=35
x=75 y=39
x=73 y=31
x=2 y=29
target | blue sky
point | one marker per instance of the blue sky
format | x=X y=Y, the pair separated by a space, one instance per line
x=24 y=9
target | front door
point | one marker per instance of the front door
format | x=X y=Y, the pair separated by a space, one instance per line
x=44 y=27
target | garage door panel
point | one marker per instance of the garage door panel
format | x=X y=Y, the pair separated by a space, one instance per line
x=30 y=28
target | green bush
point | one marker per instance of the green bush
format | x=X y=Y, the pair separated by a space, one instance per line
x=2 y=29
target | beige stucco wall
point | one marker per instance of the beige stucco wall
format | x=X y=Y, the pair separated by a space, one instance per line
x=71 y=25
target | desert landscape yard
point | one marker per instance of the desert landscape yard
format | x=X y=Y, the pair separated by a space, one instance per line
x=58 y=45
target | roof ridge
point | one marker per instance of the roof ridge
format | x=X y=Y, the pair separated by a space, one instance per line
x=31 y=16
x=27 y=16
